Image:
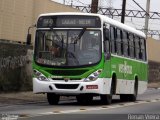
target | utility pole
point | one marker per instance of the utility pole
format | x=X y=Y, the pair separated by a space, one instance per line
x=147 y=17
x=123 y=11
x=94 y=6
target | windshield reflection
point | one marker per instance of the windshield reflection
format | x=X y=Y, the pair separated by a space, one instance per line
x=68 y=47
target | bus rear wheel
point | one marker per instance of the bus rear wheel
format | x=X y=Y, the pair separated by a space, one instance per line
x=133 y=97
x=52 y=98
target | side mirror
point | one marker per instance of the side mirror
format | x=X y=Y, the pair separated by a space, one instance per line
x=28 y=39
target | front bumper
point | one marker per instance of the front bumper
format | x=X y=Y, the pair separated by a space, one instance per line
x=72 y=87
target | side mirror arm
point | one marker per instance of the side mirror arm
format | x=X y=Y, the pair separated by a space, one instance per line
x=28 y=41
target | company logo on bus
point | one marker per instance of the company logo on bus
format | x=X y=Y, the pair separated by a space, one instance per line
x=66 y=79
x=124 y=68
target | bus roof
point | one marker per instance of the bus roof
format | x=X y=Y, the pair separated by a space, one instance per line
x=104 y=19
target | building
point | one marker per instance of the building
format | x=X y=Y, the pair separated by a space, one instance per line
x=17 y=15
x=153 y=49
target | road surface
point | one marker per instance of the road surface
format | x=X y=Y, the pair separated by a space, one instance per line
x=146 y=104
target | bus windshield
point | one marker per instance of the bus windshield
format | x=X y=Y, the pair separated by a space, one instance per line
x=75 y=47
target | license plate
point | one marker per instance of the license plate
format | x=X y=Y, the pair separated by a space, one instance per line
x=91 y=86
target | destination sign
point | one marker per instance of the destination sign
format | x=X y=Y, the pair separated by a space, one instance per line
x=69 y=21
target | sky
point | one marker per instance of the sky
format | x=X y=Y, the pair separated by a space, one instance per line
x=137 y=23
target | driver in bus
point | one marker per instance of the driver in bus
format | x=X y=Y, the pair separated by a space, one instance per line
x=55 y=50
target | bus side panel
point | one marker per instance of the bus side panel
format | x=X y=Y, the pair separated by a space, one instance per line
x=126 y=70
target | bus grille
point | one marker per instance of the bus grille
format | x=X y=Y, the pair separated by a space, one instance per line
x=64 y=78
x=67 y=72
x=66 y=86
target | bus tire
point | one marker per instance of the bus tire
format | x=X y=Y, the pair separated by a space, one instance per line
x=52 y=98
x=133 y=97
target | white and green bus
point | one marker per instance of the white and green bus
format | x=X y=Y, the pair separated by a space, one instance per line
x=87 y=55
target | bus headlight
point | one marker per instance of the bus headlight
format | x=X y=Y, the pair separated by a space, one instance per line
x=93 y=76
x=39 y=75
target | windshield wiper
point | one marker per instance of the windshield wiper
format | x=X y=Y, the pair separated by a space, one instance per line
x=80 y=35
x=56 y=34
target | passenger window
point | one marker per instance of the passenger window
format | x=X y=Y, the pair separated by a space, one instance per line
x=113 y=40
x=125 y=44
x=143 y=49
x=119 y=42
x=131 y=45
x=137 y=47
x=106 y=40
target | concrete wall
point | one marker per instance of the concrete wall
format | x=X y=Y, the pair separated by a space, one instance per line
x=154 y=71
x=15 y=67
x=153 y=48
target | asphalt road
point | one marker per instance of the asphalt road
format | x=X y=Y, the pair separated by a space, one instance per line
x=147 y=103
x=143 y=111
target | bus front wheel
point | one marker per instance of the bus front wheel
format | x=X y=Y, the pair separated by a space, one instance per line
x=52 y=98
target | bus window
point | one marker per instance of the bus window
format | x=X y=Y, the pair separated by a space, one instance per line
x=143 y=49
x=137 y=47
x=106 y=40
x=113 y=42
x=119 y=42
x=125 y=43
x=131 y=45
